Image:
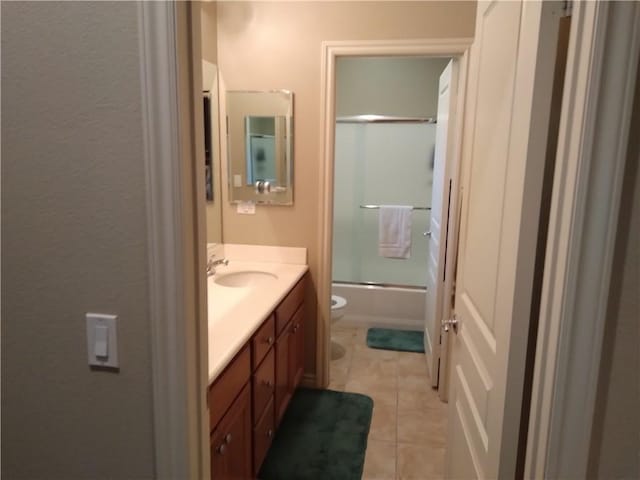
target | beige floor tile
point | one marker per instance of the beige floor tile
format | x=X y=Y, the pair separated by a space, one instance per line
x=338 y=350
x=366 y=353
x=341 y=327
x=346 y=337
x=361 y=336
x=424 y=427
x=383 y=423
x=419 y=462
x=336 y=386
x=345 y=325
x=420 y=400
x=380 y=461
x=413 y=383
x=381 y=394
x=377 y=368
x=374 y=381
x=412 y=363
x=344 y=359
x=339 y=373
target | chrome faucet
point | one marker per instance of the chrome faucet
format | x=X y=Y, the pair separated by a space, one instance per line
x=212 y=264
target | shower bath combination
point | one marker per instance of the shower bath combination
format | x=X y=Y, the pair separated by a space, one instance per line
x=387 y=160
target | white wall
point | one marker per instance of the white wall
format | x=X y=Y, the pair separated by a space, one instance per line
x=615 y=443
x=388 y=85
x=73 y=241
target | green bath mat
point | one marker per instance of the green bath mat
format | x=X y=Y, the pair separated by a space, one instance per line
x=322 y=436
x=399 y=340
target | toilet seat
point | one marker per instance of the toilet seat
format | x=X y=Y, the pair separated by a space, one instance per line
x=338 y=305
x=337 y=302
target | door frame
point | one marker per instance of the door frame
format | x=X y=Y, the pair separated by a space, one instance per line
x=591 y=157
x=175 y=222
x=176 y=236
x=331 y=50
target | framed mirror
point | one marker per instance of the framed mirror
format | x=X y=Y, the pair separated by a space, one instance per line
x=260 y=146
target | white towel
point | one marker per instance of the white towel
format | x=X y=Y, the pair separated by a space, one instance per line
x=394 y=231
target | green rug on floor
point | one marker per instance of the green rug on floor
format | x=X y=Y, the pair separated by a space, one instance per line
x=398 y=340
x=323 y=436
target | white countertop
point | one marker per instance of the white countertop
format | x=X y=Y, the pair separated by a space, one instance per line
x=235 y=313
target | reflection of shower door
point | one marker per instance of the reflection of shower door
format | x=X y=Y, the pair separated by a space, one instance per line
x=437 y=231
x=262 y=158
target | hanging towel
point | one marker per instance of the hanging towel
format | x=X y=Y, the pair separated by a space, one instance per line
x=394 y=231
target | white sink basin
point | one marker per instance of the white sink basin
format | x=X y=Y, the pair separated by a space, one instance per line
x=248 y=278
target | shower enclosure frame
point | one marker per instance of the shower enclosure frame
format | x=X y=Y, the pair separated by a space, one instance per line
x=453 y=47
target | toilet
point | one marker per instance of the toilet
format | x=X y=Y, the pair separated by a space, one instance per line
x=338 y=305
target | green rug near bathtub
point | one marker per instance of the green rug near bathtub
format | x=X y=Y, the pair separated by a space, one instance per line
x=398 y=340
x=322 y=436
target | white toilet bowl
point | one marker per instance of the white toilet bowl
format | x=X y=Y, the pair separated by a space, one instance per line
x=338 y=305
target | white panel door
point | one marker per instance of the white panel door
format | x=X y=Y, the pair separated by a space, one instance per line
x=437 y=231
x=506 y=123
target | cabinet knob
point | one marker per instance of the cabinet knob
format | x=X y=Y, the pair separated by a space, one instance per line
x=227 y=438
x=221 y=449
x=269 y=433
x=295 y=327
x=268 y=383
x=270 y=340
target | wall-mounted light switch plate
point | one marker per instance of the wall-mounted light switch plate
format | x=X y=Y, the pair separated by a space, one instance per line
x=102 y=340
x=247 y=208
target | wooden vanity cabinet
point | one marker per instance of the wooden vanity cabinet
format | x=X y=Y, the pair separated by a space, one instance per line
x=231 y=454
x=296 y=351
x=247 y=401
x=289 y=348
x=283 y=389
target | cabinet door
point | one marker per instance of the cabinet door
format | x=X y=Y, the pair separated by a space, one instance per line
x=283 y=388
x=296 y=349
x=231 y=455
x=263 y=385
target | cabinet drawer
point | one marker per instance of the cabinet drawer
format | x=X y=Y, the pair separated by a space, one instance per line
x=263 y=340
x=264 y=384
x=263 y=436
x=227 y=386
x=289 y=305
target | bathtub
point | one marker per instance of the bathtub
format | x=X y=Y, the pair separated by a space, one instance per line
x=387 y=307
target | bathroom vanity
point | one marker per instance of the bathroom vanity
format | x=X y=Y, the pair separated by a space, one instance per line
x=256 y=359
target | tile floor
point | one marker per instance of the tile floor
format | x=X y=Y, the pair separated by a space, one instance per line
x=408 y=428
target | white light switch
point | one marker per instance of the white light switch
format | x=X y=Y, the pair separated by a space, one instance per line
x=102 y=342
x=102 y=345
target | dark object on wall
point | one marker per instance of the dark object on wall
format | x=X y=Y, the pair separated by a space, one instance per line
x=208 y=150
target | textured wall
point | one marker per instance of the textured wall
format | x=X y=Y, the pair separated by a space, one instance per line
x=73 y=240
x=274 y=45
x=404 y=86
x=615 y=443
x=209 y=26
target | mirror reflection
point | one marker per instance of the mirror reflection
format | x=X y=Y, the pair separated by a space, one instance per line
x=259 y=144
x=265 y=159
x=212 y=151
